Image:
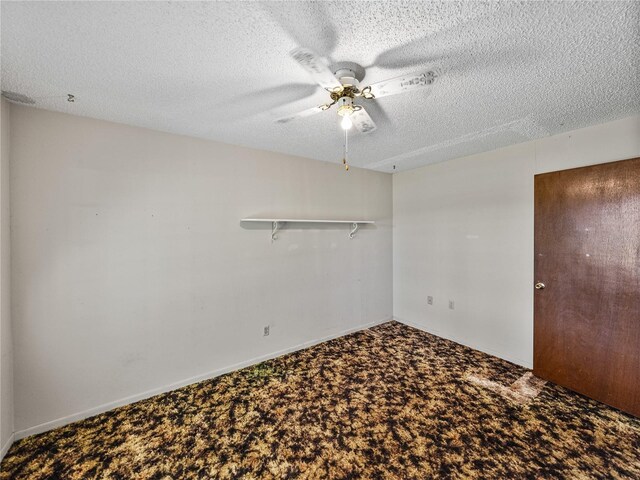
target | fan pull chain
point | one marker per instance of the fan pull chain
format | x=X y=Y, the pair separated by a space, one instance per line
x=346 y=149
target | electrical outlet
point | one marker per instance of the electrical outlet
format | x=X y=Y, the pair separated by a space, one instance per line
x=266 y=331
x=451 y=305
x=429 y=300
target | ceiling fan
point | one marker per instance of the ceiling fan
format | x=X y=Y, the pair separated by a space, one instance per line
x=342 y=82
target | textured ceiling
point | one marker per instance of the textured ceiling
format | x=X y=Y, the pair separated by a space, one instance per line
x=508 y=72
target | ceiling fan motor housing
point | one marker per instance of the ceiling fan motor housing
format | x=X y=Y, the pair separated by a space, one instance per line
x=347 y=77
x=348 y=69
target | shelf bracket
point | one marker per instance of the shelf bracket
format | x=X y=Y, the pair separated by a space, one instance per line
x=275 y=226
x=278 y=223
x=354 y=229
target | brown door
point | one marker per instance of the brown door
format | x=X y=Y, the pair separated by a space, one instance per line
x=587 y=281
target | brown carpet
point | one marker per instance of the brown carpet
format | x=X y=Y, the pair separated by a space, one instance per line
x=386 y=403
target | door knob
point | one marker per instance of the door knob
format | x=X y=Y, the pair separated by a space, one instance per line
x=539 y=286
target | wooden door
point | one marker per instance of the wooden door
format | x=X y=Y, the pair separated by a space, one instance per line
x=587 y=281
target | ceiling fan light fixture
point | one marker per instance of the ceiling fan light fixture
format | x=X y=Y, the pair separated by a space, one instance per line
x=345 y=111
x=346 y=122
x=345 y=106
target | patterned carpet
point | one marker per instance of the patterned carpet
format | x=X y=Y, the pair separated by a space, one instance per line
x=390 y=402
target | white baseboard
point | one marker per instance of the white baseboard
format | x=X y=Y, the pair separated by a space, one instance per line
x=509 y=358
x=7 y=446
x=59 y=422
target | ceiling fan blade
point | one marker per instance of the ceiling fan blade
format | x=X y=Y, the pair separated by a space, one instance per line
x=375 y=110
x=401 y=84
x=305 y=113
x=362 y=121
x=260 y=101
x=312 y=63
x=307 y=23
x=445 y=41
x=404 y=56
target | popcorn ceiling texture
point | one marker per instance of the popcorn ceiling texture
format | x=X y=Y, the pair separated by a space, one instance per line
x=509 y=71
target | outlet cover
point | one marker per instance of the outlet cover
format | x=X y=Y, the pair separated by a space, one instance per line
x=429 y=300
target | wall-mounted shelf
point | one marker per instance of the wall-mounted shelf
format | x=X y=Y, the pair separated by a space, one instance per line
x=276 y=223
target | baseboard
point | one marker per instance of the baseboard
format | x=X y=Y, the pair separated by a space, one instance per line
x=59 y=422
x=509 y=358
x=7 y=446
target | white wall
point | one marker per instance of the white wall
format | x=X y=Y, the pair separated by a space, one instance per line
x=6 y=350
x=132 y=273
x=463 y=230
